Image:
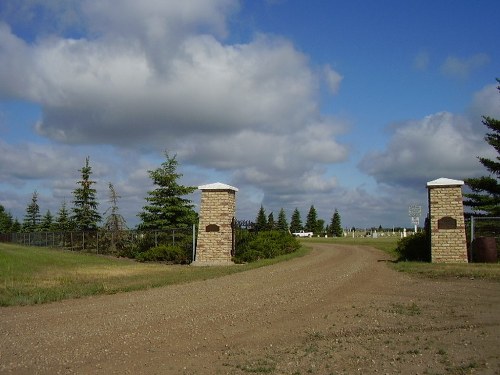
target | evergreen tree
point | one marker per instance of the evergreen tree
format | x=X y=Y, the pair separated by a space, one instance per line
x=261 y=220
x=271 y=224
x=485 y=196
x=336 y=226
x=166 y=206
x=6 y=221
x=16 y=226
x=320 y=226
x=296 y=222
x=282 y=224
x=85 y=214
x=46 y=225
x=32 y=217
x=63 y=221
x=311 y=221
x=114 y=221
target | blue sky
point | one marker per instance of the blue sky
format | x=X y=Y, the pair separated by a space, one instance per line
x=348 y=105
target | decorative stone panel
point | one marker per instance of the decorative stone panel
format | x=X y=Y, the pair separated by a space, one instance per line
x=446 y=219
x=215 y=230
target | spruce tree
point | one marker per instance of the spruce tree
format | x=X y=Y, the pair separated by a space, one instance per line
x=296 y=222
x=282 y=224
x=312 y=220
x=271 y=224
x=167 y=208
x=261 y=220
x=336 y=226
x=85 y=214
x=114 y=222
x=32 y=217
x=63 y=222
x=46 y=225
x=6 y=221
x=485 y=196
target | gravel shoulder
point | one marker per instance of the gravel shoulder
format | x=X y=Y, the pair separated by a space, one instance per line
x=338 y=310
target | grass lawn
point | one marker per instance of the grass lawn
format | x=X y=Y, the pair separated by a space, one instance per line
x=32 y=275
x=490 y=271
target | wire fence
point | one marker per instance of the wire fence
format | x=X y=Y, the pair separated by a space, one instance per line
x=122 y=243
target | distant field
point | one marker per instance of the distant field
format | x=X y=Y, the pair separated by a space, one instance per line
x=32 y=275
x=433 y=270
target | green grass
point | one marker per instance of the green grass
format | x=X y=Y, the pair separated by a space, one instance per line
x=488 y=271
x=33 y=275
x=386 y=244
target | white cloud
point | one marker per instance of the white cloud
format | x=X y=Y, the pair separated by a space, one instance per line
x=440 y=145
x=333 y=79
x=462 y=67
x=486 y=102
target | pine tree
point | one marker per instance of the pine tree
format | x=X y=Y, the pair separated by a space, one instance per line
x=85 y=214
x=46 y=225
x=261 y=220
x=32 y=217
x=296 y=222
x=114 y=222
x=6 y=221
x=271 y=224
x=311 y=221
x=485 y=196
x=336 y=226
x=282 y=224
x=63 y=221
x=166 y=206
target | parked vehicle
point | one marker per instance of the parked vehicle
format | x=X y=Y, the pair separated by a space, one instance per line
x=303 y=234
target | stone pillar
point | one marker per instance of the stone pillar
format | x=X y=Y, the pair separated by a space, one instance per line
x=446 y=221
x=215 y=230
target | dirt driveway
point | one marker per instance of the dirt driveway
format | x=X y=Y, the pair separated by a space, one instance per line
x=338 y=310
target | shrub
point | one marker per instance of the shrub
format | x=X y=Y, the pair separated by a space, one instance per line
x=164 y=253
x=414 y=248
x=265 y=244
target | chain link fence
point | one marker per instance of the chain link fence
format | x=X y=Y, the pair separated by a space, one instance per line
x=119 y=243
x=483 y=238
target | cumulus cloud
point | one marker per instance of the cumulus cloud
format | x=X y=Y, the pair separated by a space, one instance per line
x=333 y=79
x=461 y=67
x=440 y=145
x=159 y=75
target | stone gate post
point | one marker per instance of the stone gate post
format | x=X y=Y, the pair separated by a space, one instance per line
x=446 y=219
x=215 y=228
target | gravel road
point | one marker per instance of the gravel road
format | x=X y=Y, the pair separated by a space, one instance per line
x=338 y=310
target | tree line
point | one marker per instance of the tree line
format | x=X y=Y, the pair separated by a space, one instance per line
x=313 y=223
x=165 y=207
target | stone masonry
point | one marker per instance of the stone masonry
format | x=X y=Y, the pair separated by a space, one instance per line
x=446 y=219
x=215 y=232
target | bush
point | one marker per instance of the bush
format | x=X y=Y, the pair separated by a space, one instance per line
x=264 y=245
x=414 y=248
x=164 y=253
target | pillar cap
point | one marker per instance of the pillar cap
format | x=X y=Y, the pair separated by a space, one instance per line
x=217 y=186
x=445 y=182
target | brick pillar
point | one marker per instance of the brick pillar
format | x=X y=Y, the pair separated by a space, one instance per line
x=446 y=219
x=215 y=232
